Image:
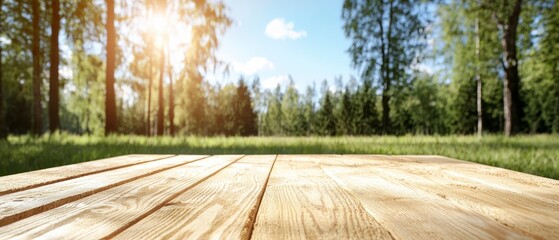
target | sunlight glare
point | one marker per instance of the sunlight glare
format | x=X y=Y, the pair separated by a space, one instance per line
x=167 y=32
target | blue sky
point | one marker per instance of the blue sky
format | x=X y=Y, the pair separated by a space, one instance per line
x=274 y=39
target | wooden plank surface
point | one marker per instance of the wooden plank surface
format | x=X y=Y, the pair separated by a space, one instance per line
x=301 y=201
x=19 y=205
x=104 y=214
x=23 y=181
x=406 y=211
x=222 y=207
x=279 y=197
x=527 y=208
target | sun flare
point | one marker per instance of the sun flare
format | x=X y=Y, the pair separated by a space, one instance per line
x=166 y=32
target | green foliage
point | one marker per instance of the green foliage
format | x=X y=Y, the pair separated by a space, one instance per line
x=326 y=122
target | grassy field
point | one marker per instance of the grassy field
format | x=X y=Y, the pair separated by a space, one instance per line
x=537 y=155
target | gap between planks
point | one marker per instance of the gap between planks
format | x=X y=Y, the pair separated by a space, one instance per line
x=254 y=215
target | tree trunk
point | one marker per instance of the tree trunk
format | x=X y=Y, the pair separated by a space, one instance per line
x=511 y=83
x=385 y=111
x=54 y=119
x=160 y=110
x=110 y=101
x=171 y=97
x=479 y=83
x=36 y=52
x=555 y=126
x=148 y=123
x=3 y=130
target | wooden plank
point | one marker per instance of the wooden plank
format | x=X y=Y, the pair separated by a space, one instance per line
x=222 y=207
x=18 y=205
x=517 y=205
x=106 y=213
x=518 y=182
x=406 y=211
x=301 y=201
x=23 y=181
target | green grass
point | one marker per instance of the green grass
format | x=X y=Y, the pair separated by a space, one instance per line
x=537 y=155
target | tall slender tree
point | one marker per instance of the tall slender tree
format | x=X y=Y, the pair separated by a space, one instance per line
x=161 y=100
x=3 y=130
x=386 y=37
x=110 y=98
x=479 y=89
x=507 y=16
x=150 y=84
x=36 y=52
x=54 y=119
x=327 y=122
x=171 y=96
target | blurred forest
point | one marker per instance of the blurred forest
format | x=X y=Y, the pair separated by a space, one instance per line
x=104 y=67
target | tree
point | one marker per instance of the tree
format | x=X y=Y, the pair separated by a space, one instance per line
x=507 y=17
x=245 y=115
x=540 y=85
x=110 y=98
x=347 y=114
x=3 y=130
x=327 y=122
x=386 y=36
x=171 y=97
x=309 y=110
x=291 y=121
x=550 y=49
x=479 y=92
x=161 y=100
x=36 y=52
x=367 y=114
x=471 y=46
x=54 y=118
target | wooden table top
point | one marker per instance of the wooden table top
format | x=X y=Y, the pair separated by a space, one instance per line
x=278 y=197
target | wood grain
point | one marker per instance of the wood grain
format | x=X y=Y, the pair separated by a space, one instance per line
x=106 y=213
x=19 y=205
x=23 y=181
x=516 y=204
x=222 y=207
x=405 y=210
x=293 y=196
x=302 y=202
x=521 y=183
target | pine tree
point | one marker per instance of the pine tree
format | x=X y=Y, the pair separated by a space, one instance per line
x=245 y=115
x=327 y=122
x=347 y=114
x=368 y=122
x=309 y=111
x=291 y=114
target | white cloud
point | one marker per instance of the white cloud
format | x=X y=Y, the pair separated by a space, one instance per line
x=280 y=29
x=272 y=82
x=252 y=66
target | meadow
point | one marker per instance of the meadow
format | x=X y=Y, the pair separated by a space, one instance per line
x=535 y=154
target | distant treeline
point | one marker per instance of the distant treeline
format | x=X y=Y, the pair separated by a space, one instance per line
x=497 y=71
